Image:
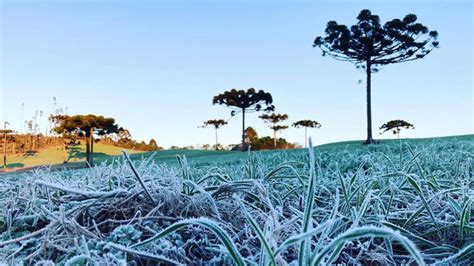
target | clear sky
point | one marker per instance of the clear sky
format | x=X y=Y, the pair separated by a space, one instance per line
x=155 y=66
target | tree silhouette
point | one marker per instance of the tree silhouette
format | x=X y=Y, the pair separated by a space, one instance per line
x=245 y=101
x=306 y=124
x=216 y=123
x=87 y=126
x=152 y=145
x=273 y=121
x=370 y=45
x=396 y=126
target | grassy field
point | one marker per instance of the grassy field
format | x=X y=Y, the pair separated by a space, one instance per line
x=398 y=202
x=57 y=155
x=106 y=153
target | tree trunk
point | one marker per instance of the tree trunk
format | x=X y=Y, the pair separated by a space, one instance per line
x=88 y=148
x=306 y=137
x=243 y=129
x=369 y=140
x=91 y=156
x=216 y=140
x=274 y=138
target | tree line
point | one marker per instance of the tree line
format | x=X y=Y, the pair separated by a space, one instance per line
x=89 y=127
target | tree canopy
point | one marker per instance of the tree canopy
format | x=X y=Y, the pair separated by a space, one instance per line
x=216 y=123
x=307 y=123
x=82 y=124
x=278 y=127
x=395 y=126
x=251 y=133
x=274 y=118
x=398 y=40
x=250 y=100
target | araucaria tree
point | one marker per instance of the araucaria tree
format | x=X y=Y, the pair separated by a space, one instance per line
x=395 y=126
x=216 y=123
x=369 y=45
x=273 y=120
x=306 y=124
x=245 y=102
x=85 y=126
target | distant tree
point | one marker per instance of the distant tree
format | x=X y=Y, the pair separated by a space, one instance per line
x=370 y=45
x=86 y=126
x=245 y=101
x=273 y=121
x=251 y=133
x=265 y=143
x=124 y=134
x=152 y=145
x=216 y=123
x=395 y=126
x=306 y=124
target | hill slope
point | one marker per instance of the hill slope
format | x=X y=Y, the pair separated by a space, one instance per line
x=105 y=153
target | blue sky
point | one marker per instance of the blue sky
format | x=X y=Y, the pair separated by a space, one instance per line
x=155 y=66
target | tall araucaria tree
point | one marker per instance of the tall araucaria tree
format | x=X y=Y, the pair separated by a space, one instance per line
x=396 y=126
x=85 y=126
x=370 y=45
x=306 y=124
x=273 y=120
x=216 y=123
x=245 y=102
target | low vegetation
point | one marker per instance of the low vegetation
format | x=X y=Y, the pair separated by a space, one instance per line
x=393 y=203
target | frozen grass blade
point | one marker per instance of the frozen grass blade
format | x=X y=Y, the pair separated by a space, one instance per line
x=303 y=236
x=423 y=199
x=143 y=254
x=203 y=222
x=465 y=219
x=466 y=254
x=361 y=232
x=261 y=236
x=147 y=193
x=308 y=208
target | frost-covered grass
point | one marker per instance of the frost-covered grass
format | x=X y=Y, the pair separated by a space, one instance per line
x=391 y=203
